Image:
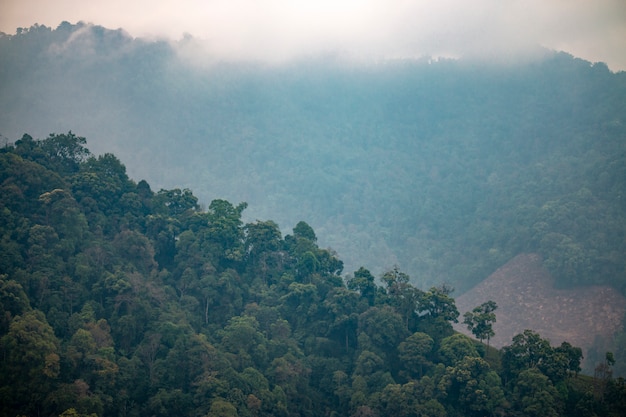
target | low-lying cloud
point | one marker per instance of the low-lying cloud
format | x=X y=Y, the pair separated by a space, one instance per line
x=278 y=30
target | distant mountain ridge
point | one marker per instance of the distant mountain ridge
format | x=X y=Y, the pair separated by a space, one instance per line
x=447 y=169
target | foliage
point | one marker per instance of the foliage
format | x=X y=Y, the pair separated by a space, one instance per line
x=117 y=300
x=446 y=168
x=480 y=320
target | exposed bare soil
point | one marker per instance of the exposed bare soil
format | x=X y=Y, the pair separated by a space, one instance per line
x=526 y=298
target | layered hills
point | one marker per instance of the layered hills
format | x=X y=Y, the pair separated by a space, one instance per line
x=119 y=300
x=505 y=182
x=446 y=169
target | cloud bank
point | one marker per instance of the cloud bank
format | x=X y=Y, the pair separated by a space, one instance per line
x=277 y=30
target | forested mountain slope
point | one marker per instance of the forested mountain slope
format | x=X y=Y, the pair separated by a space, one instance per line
x=447 y=169
x=121 y=301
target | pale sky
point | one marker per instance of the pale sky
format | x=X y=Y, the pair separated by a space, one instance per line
x=280 y=29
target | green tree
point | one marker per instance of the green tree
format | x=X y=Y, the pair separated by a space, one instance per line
x=169 y=403
x=65 y=152
x=304 y=231
x=371 y=375
x=530 y=351
x=98 y=187
x=342 y=306
x=363 y=282
x=403 y=296
x=222 y=408
x=534 y=395
x=13 y=302
x=176 y=202
x=225 y=233
x=527 y=351
x=414 y=352
x=136 y=250
x=413 y=399
x=227 y=297
x=31 y=363
x=247 y=345
x=455 y=348
x=300 y=305
x=291 y=374
x=384 y=328
x=80 y=350
x=437 y=303
x=480 y=320
x=63 y=213
x=263 y=243
x=473 y=387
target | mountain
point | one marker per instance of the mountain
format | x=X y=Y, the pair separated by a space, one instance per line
x=118 y=300
x=447 y=169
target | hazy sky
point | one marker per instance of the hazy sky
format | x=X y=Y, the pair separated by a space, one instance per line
x=279 y=29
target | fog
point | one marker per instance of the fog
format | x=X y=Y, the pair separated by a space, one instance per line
x=279 y=30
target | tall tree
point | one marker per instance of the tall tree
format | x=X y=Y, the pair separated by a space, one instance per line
x=225 y=232
x=65 y=152
x=363 y=282
x=473 y=387
x=534 y=395
x=402 y=295
x=414 y=353
x=480 y=320
x=262 y=242
x=456 y=347
x=529 y=350
x=31 y=364
x=342 y=306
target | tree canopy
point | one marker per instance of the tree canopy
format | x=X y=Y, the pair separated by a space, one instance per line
x=118 y=300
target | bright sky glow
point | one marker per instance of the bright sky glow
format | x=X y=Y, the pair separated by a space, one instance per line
x=280 y=29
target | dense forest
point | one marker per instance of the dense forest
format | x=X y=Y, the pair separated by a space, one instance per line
x=121 y=301
x=445 y=168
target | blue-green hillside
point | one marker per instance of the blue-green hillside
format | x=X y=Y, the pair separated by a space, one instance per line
x=446 y=169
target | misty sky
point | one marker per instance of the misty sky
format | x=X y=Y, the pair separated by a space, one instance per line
x=280 y=29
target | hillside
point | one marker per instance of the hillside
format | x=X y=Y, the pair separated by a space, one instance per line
x=119 y=300
x=447 y=169
x=527 y=299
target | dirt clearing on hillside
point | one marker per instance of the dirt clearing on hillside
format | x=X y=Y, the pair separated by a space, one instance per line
x=526 y=298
